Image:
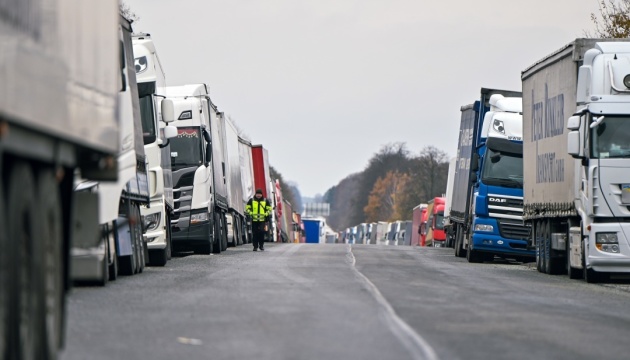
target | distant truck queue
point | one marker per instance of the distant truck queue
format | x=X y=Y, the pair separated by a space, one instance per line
x=541 y=173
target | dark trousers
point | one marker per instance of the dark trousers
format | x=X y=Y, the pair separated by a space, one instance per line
x=258 y=232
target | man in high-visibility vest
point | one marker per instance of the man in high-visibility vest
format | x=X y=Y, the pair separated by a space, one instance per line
x=259 y=209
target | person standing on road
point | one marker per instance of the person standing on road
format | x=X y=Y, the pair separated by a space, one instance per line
x=259 y=209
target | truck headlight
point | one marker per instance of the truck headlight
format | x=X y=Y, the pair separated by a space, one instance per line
x=607 y=242
x=198 y=218
x=152 y=221
x=484 y=227
x=498 y=126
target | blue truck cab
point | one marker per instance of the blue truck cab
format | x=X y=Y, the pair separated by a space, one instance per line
x=497 y=226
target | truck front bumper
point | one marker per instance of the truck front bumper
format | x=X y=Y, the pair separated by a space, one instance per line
x=492 y=241
x=602 y=261
x=193 y=234
x=156 y=238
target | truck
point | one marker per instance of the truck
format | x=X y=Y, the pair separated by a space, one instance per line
x=416 y=218
x=67 y=59
x=262 y=180
x=157 y=216
x=121 y=245
x=576 y=154
x=450 y=182
x=486 y=211
x=235 y=216
x=247 y=180
x=434 y=226
x=198 y=222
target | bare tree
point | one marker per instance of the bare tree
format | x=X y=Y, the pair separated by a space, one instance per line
x=126 y=12
x=613 y=20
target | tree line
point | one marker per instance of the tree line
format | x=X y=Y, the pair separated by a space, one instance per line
x=393 y=182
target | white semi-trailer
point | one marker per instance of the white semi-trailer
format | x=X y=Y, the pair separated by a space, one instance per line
x=151 y=84
x=60 y=77
x=121 y=246
x=247 y=180
x=198 y=223
x=576 y=127
x=236 y=228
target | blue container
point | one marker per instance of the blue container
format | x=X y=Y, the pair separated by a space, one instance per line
x=312 y=230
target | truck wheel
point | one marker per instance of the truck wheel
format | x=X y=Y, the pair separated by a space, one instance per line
x=6 y=284
x=553 y=265
x=136 y=233
x=158 y=257
x=127 y=264
x=22 y=225
x=216 y=237
x=473 y=256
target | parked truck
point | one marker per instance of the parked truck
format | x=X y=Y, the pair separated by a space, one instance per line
x=434 y=226
x=121 y=245
x=576 y=113
x=416 y=218
x=197 y=223
x=158 y=215
x=236 y=202
x=262 y=180
x=487 y=206
x=450 y=182
x=247 y=180
x=60 y=80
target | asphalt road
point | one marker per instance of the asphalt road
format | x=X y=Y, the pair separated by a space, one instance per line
x=301 y=301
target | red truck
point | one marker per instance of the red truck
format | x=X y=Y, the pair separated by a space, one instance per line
x=262 y=180
x=434 y=228
x=418 y=218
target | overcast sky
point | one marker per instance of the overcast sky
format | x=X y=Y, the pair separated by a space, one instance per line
x=323 y=84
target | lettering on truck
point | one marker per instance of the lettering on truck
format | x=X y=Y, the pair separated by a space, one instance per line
x=547 y=122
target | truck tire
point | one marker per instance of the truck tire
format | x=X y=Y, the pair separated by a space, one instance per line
x=473 y=256
x=6 y=280
x=128 y=264
x=216 y=237
x=540 y=248
x=23 y=224
x=459 y=243
x=553 y=264
x=158 y=257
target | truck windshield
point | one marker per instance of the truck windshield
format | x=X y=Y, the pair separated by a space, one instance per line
x=610 y=138
x=186 y=148
x=148 y=123
x=502 y=169
x=439 y=221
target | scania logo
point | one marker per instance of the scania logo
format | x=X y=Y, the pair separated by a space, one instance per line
x=497 y=200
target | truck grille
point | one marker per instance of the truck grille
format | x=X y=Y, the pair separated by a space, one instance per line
x=182 y=192
x=505 y=207
x=513 y=229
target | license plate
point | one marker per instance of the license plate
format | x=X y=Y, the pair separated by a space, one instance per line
x=625 y=193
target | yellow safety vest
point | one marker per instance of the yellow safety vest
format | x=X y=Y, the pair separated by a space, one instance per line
x=258 y=209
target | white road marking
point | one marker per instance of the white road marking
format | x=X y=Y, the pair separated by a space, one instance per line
x=415 y=344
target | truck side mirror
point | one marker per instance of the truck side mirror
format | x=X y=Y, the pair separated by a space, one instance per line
x=206 y=137
x=574 y=146
x=474 y=162
x=168 y=110
x=473 y=177
x=169 y=133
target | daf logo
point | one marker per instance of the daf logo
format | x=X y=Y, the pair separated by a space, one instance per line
x=497 y=200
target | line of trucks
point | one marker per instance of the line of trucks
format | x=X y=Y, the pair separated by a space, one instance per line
x=544 y=173
x=109 y=170
x=541 y=174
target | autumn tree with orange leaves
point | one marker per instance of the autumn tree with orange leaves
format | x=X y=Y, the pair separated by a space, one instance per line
x=385 y=197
